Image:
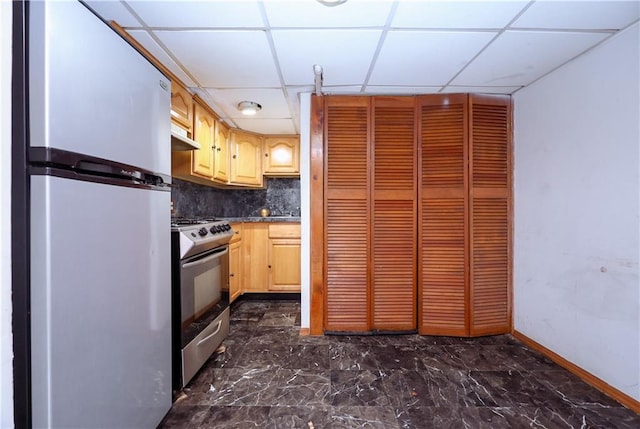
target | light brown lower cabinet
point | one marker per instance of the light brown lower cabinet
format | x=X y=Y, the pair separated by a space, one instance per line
x=283 y=257
x=270 y=257
x=235 y=263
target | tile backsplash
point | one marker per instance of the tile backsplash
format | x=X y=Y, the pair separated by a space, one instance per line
x=281 y=196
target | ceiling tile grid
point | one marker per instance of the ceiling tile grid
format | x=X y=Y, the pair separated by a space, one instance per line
x=264 y=50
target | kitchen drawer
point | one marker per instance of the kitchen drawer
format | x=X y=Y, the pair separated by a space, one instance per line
x=284 y=230
x=200 y=349
x=237 y=232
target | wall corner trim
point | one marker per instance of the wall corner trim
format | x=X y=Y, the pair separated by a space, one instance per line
x=586 y=376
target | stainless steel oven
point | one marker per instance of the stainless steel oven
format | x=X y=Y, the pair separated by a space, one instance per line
x=200 y=297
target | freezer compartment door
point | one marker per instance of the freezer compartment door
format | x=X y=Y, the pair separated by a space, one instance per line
x=90 y=92
x=100 y=304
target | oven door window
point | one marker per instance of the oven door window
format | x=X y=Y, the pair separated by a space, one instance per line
x=201 y=284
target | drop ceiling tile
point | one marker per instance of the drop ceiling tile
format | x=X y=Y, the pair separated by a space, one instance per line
x=401 y=90
x=114 y=11
x=345 y=55
x=161 y=55
x=579 y=15
x=418 y=58
x=456 y=14
x=224 y=59
x=273 y=102
x=481 y=89
x=310 y=13
x=518 y=58
x=267 y=126
x=342 y=89
x=199 y=14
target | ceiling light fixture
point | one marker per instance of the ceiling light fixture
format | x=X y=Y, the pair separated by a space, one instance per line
x=249 y=108
x=331 y=3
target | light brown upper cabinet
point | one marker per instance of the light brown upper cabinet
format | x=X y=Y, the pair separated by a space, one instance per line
x=204 y=132
x=221 y=153
x=210 y=163
x=246 y=159
x=281 y=156
x=181 y=106
x=415 y=214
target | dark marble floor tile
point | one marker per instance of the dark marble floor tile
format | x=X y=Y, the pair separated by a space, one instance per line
x=278 y=318
x=473 y=357
x=345 y=356
x=270 y=376
x=408 y=388
x=358 y=388
x=515 y=389
x=223 y=417
x=396 y=357
x=246 y=311
x=317 y=417
x=185 y=417
x=465 y=389
x=308 y=356
x=572 y=391
x=229 y=358
x=270 y=386
x=428 y=417
x=363 y=417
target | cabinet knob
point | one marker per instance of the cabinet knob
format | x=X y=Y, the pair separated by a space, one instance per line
x=231 y=275
x=266 y=155
x=269 y=266
x=234 y=157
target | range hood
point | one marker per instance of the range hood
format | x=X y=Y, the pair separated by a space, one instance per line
x=180 y=141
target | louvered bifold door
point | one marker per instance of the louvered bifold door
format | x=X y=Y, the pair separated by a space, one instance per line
x=393 y=228
x=490 y=223
x=346 y=213
x=442 y=220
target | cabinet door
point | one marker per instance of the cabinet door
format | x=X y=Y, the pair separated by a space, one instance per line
x=255 y=277
x=393 y=284
x=282 y=156
x=203 y=133
x=246 y=159
x=347 y=214
x=284 y=264
x=235 y=270
x=181 y=106
x=443 y=215
x=221 y=153
x=489 y=173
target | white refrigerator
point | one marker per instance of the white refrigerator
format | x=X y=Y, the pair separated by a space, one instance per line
x=99 y=164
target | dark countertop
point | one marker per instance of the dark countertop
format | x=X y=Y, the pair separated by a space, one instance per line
x=263 y=219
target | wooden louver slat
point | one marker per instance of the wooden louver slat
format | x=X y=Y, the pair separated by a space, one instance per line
x=347 y=217
x=442 y=243
x=490 y=226
x=347 y=251
x=393 y=283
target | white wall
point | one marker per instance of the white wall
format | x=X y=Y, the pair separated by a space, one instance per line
x=6 y=342
x=576 y=212
x=305 y=202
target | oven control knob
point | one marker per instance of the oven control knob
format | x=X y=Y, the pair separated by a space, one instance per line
x=202 y=232
x=213 y=229
x=227 y=227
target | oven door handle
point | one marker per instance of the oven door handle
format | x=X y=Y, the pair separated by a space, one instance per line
x=207 y=258
x=208 y=337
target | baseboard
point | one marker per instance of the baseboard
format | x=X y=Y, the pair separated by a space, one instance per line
x=586 y=376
